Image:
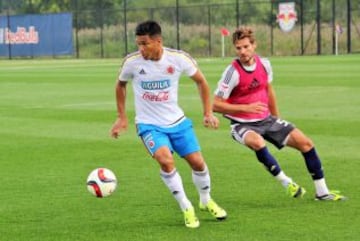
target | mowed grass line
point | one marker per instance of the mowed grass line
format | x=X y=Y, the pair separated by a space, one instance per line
x=55 y=118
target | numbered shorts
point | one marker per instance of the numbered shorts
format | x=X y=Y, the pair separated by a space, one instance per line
x=272 y=129
x=180 y=138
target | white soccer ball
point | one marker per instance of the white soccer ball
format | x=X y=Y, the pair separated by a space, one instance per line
x=101 y=182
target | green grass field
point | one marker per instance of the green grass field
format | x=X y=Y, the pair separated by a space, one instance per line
x=55 y=119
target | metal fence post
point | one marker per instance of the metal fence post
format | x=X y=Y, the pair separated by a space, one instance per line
x=125 y=28
x=271 y=28
x=302 y=26
x=77 y=29
x=209 y=28
x=349 y=26
x=177 y=25
x=237 y=14
x=318 y=23
x=333 y=22
x=8 y=26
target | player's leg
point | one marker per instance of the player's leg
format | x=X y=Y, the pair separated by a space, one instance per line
x=159 y=147
x=186 y=145
x=298 y=140
x=173 y=181
x=250 y=137
x=202 y=182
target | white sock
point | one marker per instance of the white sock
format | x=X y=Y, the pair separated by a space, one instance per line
x=201 y=180
x=283 y=179
x=321 y=187
x=174 y=183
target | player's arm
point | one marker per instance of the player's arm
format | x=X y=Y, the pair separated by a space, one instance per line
x=204 y=90
x=221 y=106
x=273 y=108
x=272 y=104
x=121 y=122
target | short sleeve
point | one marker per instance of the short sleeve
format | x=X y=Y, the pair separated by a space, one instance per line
x=267 y=65
x=229 y=79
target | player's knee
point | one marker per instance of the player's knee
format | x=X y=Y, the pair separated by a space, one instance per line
x=303 y=144
x=300 y=141
x=254 y=140
x=196 y=161
x=198 y=166
x=256 y=143
x=306 y=145
x=167 y=166
x=165 y=159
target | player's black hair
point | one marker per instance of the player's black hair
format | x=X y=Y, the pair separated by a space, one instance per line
x=148 y=27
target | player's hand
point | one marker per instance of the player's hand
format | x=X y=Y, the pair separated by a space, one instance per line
x=257 y=107
x=211 y=121
x=119 y=127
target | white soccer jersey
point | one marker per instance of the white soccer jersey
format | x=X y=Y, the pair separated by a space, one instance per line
x=155 y=85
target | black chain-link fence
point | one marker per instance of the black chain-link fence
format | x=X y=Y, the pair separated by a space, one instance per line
x=196 y=28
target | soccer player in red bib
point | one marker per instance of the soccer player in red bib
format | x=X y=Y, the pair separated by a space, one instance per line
x=246 y=97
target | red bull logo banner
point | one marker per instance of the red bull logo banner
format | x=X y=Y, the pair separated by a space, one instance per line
x=287 y=16
x=20 y=36
x=36 y=35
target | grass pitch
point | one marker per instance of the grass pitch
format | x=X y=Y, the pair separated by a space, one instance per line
x=55 y=119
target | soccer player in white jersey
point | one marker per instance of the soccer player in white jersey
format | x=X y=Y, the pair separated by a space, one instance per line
x=245 y=96
x=161 y=124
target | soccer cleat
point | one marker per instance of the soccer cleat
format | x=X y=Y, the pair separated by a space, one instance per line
x=191 y=221
x=331 y=196
x=214 y=209
x=294 y=190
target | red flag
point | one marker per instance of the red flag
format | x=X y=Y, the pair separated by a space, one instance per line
x=225 y=32
x=339 y=29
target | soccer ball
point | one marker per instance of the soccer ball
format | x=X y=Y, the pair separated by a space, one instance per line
x=101 y=182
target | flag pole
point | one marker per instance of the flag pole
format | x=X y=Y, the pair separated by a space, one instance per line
x=222 y=46
x=224 y=32
x=338 y=31
x=336 y=42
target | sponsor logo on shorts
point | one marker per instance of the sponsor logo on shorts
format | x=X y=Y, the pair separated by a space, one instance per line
x=151 y=144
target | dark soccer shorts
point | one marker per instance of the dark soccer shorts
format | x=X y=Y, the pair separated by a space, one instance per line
x=271 y=129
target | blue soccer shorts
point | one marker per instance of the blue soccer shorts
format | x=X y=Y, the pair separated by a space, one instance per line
x=180 y=138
